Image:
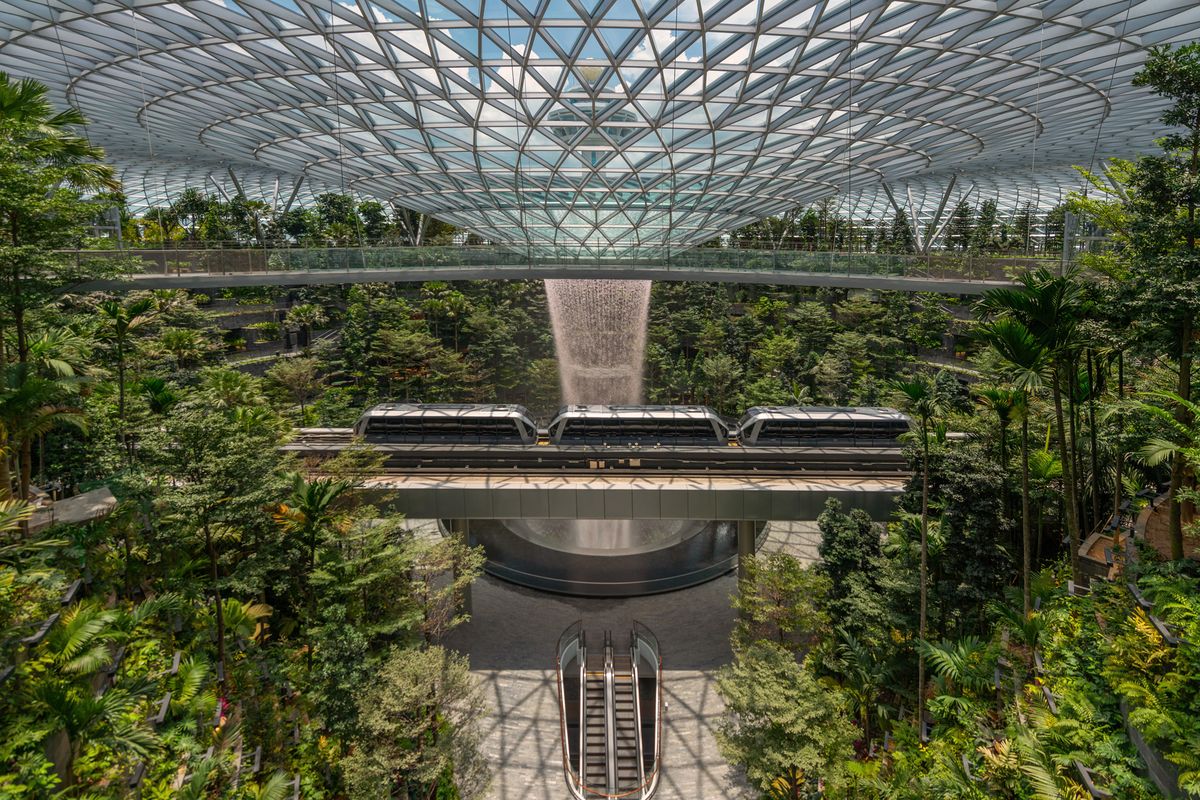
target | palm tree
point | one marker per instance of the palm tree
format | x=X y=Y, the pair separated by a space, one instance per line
x=78 y=717
x=309 y=514
x=920 y=398
x=1003 y=402
x=158 y=394
x=1027 y=364
x=30 y=406
x=33 y=134
x=1050 y=307
x=862 y=674
x=230 y=389
x=1045 y=468
x=120 y=321
x=79 y=646
x=1180 y=444
x=306 y=316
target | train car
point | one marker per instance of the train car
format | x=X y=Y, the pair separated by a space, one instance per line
x=812 y=426
x=447 y=423
x=645 y=426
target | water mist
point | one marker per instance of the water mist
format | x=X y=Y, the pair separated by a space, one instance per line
x=600 y=338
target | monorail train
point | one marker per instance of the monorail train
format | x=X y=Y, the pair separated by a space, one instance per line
x=811 y=426
x=447 y=423
x=646 y=426
x=632 y=425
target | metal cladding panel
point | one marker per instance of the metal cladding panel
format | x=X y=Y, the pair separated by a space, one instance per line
x=478 y=503
x=506 y=505
x=756 y=504
x=618 y=504
x=450 y=502
x=535 y=503
x=590 y=504
x=564 y=504
x=673 y=503
x=649 y=502
x=648 y=505
x=729 y=505
x=701 y=505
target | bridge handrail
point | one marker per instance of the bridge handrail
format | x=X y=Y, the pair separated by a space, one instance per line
x=230 y=261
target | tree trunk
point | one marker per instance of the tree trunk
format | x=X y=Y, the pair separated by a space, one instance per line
x=310 y=600
x=26 y=467
x=1118 y=486
x=1068 y=464
x=1026 y=542
x=1081 y=515
x=924 y=571
x=220 y=607
x=1091 y=412
x=5 y=473
x=121 y=435
x=1183 y=388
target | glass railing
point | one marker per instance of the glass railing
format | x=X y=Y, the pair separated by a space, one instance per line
x=231 y=261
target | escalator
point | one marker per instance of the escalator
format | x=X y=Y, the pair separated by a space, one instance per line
x=610 y=703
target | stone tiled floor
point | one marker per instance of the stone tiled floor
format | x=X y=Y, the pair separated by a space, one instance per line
x=511 y=640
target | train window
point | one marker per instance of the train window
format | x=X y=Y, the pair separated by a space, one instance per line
x=582 y=430
x=435 y=429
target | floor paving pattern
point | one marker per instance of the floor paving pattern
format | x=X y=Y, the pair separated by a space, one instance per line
x=511 y=639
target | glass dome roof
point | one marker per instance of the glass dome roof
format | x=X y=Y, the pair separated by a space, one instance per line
x=609 y=127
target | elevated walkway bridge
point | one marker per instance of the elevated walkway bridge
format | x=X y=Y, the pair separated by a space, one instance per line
x=221 y=268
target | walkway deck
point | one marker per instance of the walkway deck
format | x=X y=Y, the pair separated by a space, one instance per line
x=211 y=269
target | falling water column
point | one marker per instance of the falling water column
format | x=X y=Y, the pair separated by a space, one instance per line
x=600 y=338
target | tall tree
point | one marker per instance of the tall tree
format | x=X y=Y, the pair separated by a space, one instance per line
x=1164 y=278
x=120 y=320
x=419 y=720
x=310 y=514
x=1027 y=368
x=1050 y=307
x=920 y=398
x=45 y=166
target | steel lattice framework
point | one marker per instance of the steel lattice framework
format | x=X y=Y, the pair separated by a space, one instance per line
x=607 y=126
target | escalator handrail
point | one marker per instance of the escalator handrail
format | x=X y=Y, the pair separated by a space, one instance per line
x=610 y=717
x=574 y=783
x=637 y=710
x=644 y=633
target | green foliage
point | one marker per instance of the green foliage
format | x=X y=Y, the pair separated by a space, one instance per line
x=417 y=724
x=781 y=722
x=780 y=600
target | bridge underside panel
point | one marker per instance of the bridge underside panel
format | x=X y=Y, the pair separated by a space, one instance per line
x=468 y=497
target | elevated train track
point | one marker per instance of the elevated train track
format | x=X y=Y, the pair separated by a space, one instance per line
x=816 y=461
x=458 y=462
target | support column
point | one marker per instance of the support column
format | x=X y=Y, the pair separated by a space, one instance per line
x=460 y=529
x=746 y=530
